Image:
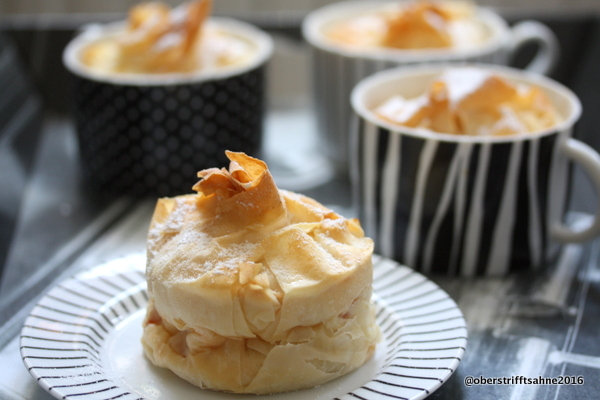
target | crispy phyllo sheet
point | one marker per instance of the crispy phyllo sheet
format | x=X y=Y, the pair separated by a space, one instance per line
x=471 y=101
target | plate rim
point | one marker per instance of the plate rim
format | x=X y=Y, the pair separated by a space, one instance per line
x=381 y=266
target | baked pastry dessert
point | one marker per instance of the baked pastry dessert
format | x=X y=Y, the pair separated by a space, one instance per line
x=159 y=40
x=473 y=101
x=255 y=289
x=412 y=25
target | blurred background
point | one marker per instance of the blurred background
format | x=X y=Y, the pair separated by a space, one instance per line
x=267 y=7
x=41 y=28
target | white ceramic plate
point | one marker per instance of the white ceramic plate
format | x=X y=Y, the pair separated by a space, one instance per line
x=82 y=340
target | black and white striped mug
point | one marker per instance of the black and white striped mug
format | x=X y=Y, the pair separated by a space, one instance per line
x=459 y=204
x=338 y=68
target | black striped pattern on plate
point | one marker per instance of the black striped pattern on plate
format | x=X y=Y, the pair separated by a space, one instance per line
x=423 y=331
x=423 y=328
x=61 y=340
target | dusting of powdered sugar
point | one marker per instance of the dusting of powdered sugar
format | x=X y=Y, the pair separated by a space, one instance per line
x=461 y=82
x=219 y=48
x=192 y=251
x=172 y=225
x=401 y=110
x=168 y=41
x=228 y=259
x=508 y=121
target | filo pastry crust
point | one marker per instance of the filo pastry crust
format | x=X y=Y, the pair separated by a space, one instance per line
x=254 y=289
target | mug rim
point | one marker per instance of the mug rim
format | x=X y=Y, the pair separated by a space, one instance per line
x=315 y=20
x=367 y=84
x=90 y=33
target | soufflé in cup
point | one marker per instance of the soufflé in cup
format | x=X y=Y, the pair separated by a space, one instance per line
x=464 y=170
x=413 y=25
x=163 y=94
x=255 y=289
x=351 y=40
x=158 y=40
x=472 y=101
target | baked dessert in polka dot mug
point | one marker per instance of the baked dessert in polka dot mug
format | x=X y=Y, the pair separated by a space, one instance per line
x=163 y=94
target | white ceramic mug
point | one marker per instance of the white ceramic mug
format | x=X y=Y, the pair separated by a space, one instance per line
x=337 y=68
x=460 y=204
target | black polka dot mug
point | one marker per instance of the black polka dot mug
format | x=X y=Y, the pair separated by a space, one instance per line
x=148 y=134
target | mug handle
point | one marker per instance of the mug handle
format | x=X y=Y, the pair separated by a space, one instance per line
x=548 y=47
x=589 y=159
